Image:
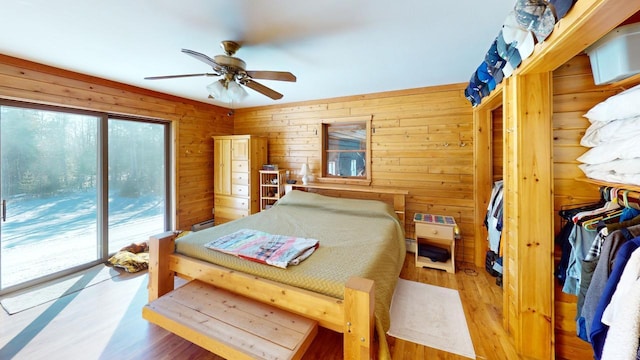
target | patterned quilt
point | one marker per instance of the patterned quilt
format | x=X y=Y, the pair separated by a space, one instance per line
x=260 y=246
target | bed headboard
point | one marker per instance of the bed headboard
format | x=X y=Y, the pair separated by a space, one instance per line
x=394 y=197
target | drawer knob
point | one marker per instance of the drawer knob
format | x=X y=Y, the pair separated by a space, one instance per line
x=435 y=231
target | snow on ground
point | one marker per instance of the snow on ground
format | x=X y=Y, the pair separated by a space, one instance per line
x=45 y=235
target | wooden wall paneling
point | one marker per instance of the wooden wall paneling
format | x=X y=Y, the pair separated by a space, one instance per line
x=422 y=141
x=497 y=142
x=193 y=123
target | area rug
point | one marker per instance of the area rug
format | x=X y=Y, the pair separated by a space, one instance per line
x=31 y=297
x=431 y=316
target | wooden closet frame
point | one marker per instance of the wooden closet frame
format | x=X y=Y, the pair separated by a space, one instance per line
x=526 y=97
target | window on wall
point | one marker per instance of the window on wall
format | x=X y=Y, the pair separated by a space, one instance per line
x=346 y=149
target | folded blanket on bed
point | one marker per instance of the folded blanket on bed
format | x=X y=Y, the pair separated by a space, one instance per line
x=276 y=250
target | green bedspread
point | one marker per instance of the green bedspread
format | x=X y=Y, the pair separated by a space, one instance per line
x=357 y=238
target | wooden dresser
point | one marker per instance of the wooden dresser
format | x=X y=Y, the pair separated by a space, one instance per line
x=237 y=159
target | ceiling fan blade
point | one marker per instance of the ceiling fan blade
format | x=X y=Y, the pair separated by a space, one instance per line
x=262 y=89
x=202 y=57
x=272 y=75
x=177 y=76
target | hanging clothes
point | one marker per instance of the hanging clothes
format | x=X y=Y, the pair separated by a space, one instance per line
x=562 y=238
x=598 y=331
x=623 y=314
x=601 y=273
x=614 y=226
x=582 y=239
x=493 y=223
x=493 y=218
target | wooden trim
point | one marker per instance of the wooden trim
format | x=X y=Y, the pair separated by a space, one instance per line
x=323 y=145
x=483 y=166
x=528 y=222
x=26 y=64
x=586 y=23
x=381 y=95
x=368 y=189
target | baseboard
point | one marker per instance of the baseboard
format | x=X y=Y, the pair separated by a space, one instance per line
x=202 y=225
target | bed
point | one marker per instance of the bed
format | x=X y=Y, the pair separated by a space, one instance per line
x=346 y=285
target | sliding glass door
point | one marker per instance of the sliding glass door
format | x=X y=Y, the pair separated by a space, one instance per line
x=49 y=182
x=137 y=181
x=75 y=188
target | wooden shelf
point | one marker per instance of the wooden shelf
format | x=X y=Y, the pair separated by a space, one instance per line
x=611 y=184
x=270 y=193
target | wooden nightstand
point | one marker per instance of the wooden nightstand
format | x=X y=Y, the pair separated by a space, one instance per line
x=436 y=230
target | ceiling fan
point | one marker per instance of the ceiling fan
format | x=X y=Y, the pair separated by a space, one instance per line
x=233 y=71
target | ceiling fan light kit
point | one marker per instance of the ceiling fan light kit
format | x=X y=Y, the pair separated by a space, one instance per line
x=229 y=89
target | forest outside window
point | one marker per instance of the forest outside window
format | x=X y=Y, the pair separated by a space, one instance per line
x=346 y=152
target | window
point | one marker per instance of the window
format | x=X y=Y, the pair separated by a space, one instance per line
x=75 y=187
x=346 y=150
x=137 y=184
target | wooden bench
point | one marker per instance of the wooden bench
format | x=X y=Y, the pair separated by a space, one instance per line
x=230 y=325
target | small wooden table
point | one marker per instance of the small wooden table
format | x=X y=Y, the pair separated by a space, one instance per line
x=436 y=230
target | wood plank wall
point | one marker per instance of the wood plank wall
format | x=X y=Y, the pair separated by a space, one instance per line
x=422 y=142
x=574 y=94
x=193 y=122
x=497 y=144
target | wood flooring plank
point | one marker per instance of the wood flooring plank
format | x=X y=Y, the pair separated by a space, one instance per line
x=104 y=321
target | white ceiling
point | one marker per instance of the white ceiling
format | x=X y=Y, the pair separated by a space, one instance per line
x=334 y=47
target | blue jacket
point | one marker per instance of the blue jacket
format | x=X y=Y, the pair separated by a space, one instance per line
x=598 y=332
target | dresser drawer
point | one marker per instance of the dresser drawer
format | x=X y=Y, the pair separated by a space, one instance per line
x=240 y=178
x=434 y=231
x=240 y=190
x=231 y=202
x=229 y=213
x=240 y=166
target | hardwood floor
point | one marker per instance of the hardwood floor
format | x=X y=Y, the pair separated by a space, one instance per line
x=104 y=322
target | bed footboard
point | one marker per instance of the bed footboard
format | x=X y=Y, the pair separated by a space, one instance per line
x=354 y=316
x=359 y=305
x=161 y=278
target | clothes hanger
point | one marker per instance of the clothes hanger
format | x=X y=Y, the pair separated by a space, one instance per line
x=592 y=224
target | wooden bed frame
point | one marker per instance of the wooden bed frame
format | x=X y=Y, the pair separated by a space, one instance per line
x=353 y=316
